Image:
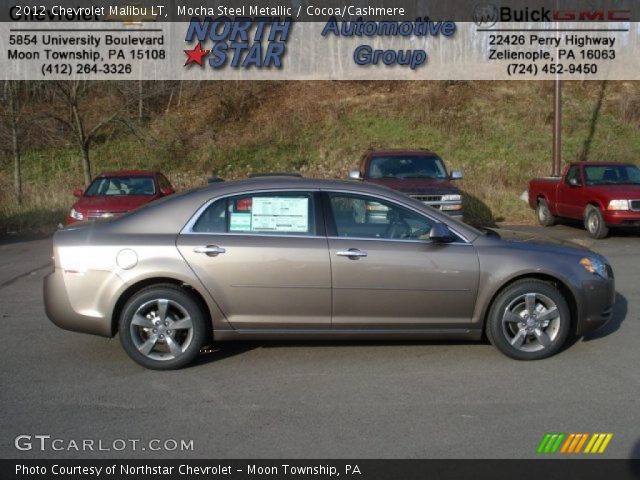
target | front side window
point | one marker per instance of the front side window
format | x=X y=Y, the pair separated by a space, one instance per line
x=263 y=213
x=358 y=216
x=163 y=182
x=573 y=176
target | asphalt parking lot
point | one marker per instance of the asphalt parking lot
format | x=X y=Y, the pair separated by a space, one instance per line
x=314 y=400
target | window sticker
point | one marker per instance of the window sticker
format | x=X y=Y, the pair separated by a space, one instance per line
x=277 y=214
x=240 y=222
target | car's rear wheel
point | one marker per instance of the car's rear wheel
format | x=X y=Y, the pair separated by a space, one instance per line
x=529 y=320
x=545 y=218
x=594 y=223
x=163 y=327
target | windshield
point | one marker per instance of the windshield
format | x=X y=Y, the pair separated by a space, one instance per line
x=410 y=166
x=109 y=186
x=612 y=175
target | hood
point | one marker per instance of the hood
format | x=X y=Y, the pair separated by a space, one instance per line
x=622 y=192
x=531 y=238
x=115 y=203
x=418 y=185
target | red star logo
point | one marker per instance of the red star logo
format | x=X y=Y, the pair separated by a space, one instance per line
x=195 y=55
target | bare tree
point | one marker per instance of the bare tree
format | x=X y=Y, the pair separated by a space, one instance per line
x=72 y=93
x=13 y=117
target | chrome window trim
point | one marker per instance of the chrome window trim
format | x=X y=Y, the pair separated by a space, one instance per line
x=188 y=228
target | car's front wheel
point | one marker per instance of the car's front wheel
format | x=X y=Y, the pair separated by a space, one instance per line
x=529 y=320
x=163 y=327
x=594 y=223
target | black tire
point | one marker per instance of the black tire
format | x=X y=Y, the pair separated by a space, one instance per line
x=141 y=325
x=505 y=333
x=545 y=218
x=594 y=223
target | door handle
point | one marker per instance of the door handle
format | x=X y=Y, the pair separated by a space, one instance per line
x=210 y=250
x=352 y=253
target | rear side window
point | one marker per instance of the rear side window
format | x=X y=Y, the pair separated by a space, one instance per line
x=263 y=213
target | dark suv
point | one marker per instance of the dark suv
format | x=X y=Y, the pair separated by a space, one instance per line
x=421 y=174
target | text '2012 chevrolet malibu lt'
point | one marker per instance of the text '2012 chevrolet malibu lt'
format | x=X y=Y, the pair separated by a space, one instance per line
x=293 y=258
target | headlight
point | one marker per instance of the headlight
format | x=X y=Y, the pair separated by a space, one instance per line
x=452 y=198
x=593 y=265
x=618 y=205
x=75 y=214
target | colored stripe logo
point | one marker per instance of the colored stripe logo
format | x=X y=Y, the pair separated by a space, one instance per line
x=574 y=443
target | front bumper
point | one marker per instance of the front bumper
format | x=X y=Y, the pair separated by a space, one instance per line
x=60 y=311
x=621 y=218
x=597 y=302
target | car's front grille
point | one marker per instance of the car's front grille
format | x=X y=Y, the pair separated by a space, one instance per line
x=428 y=198
x=98 y=214
x=635 y=205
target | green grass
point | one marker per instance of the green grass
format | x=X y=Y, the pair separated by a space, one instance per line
x=498 y=133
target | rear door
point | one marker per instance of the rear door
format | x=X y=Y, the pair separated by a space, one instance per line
x=388 y=275
x=264 y=259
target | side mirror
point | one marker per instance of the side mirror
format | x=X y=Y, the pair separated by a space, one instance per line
x=355 y=175
x=440 y=233
x=456 y=175
x=167 y=191
x=574 y=182
x=78 y=192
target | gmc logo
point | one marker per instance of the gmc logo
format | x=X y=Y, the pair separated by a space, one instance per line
x=592 y=15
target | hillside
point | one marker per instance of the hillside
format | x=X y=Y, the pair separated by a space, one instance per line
x=498 y=133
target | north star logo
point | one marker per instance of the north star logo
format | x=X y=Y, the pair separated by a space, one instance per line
x=240 y=43
x=195 y=55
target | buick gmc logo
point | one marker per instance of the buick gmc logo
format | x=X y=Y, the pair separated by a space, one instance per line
x=485 y=15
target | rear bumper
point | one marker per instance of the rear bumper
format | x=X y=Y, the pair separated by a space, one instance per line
x=621 y=218
x=598 y=299
x=60 y=311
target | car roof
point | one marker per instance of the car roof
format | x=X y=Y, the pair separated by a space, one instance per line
x=404 y=153
x=128 y=173
x=170 y=214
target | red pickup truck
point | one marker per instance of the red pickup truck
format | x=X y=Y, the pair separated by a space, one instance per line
x=420 y=174
x=602 y=194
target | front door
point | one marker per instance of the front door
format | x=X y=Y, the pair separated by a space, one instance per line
x=570 y=202
x=387 y=274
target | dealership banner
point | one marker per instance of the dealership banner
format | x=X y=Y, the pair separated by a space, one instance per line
x=304 y=40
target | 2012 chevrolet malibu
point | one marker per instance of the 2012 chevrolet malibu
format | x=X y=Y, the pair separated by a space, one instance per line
x=293 y=258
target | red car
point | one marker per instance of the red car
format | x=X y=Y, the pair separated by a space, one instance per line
x=112 y=194
x=602 y=194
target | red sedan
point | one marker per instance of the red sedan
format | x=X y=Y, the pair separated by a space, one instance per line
x=112 y=194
